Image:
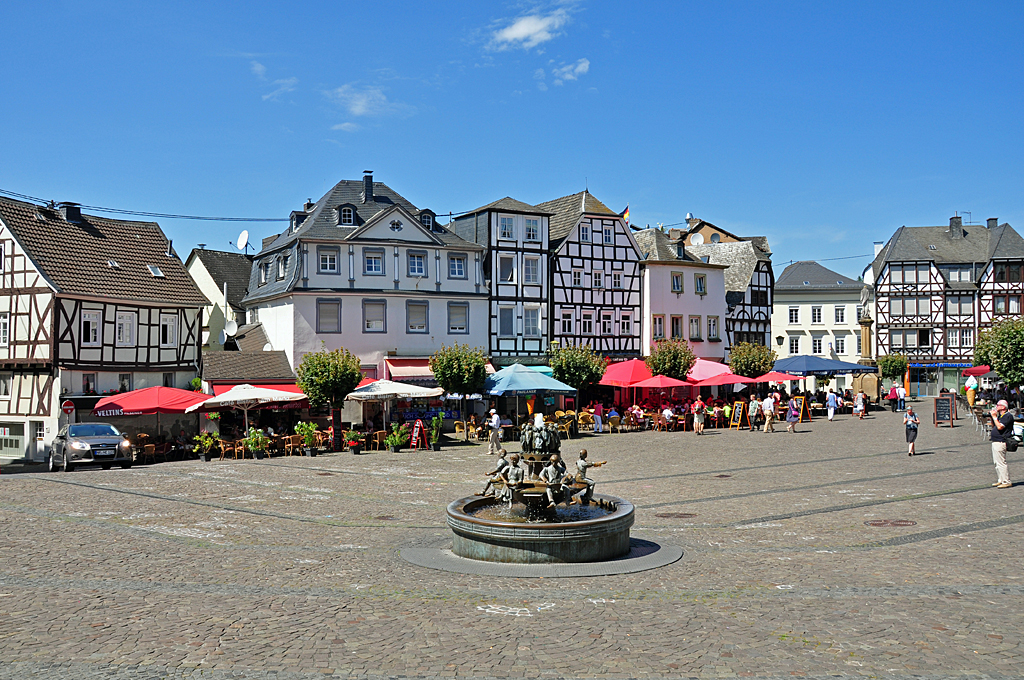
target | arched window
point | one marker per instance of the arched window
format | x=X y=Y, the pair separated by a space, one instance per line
x=347 y=216
x=427 y=220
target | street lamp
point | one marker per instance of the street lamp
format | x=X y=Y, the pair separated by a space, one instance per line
x=779 y=339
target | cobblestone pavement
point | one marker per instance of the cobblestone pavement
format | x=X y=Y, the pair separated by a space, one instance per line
x=289 y=567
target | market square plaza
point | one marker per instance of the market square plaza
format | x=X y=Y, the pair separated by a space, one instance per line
x=291 y=568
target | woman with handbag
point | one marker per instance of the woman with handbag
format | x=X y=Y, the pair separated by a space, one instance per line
x=911 y=420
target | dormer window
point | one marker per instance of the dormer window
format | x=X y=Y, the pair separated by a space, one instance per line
x=264 y=268
x=427 y=220
x=346 y=216
x=113 y=264
x=155 y=271
x=282 y=266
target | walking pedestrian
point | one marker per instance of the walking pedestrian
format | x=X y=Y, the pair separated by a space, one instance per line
x=768 y=407
x=860 y=403
x=792 y=415
x=1002 y=427
x=494 y=441
x=698 y=415
x=901 y=392
x=831 y=402
x=911 y=420
x=894 y=398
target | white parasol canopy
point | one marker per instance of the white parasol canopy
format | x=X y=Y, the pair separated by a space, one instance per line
x=385 y=390
x=245 y=397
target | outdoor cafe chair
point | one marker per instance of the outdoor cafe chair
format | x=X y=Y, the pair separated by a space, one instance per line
x=564 y=427
x=378 y=439
x=614 y=424
x=225 y=447
x=460 y=427
x=148 y=451
x=240 y=449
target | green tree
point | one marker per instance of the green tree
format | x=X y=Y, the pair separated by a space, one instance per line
x=460 y=368
x=671 y=358
x=327 y=377
x=1002 y=348
x=576 y=365
x=892 y=366
x=750 y=360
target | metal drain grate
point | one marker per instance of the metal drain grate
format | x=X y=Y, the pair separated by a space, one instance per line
x=386 y=518
x=675 y=515
x=326 y=474
x=890 y=523
x=723 y=476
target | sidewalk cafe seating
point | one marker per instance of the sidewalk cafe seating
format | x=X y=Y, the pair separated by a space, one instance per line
x=614 y=424
x=148 y=451
x=378 y=440
x=226 y=447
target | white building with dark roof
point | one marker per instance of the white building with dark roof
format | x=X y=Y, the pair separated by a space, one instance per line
x=817 y=311
x=364 y=269
x=223 y=277
x=933 y=289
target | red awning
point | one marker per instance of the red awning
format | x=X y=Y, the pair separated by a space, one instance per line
x=221 y=389
x=147 y=401
x=977 y=370
x=409 y=369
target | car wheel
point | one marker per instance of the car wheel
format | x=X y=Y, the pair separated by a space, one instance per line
x=50 y=466
x=68 y=467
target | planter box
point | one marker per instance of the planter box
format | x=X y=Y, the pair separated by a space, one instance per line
x=394 y=449
x=260 y=455
x=202 y=457
x=435 y=446
x=308 y=452
x=355 y=449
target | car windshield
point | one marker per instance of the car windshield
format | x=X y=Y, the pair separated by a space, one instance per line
x=93 y=430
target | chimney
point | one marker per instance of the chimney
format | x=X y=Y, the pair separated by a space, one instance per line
x=308 y=205
x=878 y=247
x=367 y=186
x=956 y=227
x=71 y=212
x=992 y=222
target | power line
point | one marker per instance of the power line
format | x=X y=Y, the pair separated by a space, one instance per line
x=142 y=213
x=827 y=259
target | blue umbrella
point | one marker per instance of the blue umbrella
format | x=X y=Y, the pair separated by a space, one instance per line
x=804 y=364
x=518 y=379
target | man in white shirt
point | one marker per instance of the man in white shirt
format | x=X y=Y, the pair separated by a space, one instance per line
x=667 y=414
x=494 y=443
x=901 y=392
x=768 y=408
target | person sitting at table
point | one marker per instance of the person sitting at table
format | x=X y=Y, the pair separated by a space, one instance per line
x=716 y=414
x=667 y=414
x=506 y=420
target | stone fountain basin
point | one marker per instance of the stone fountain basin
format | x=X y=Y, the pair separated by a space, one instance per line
x=592 y=540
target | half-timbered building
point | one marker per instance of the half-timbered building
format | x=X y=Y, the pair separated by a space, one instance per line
x=365 y=269
x=683 y=298
x=935 y=288
x=595 y=277
x=516 y=269
x=89 y=306
x=749 y=280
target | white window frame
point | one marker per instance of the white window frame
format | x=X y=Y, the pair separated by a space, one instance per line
x=816 y=314
x=510 y=333
x=454 y=329
x=695 y=324
x=417 y=330
x=953 y=337
x=794 y=345
x=817 y=345
x=586 y=323
x=625 y=324
x=6 y=385
x=531 y=322
x=713 y=328
x=511 y=269
x=416 y=264
x=124 y=321
x=895 y=339
x=598 y=278
x=794 y=315
x=507 y=228
x=169 y=321
x=609 y=236
x=840 y=344
x=383 y=304
x=459 y=262
x=577 y=278
x=584 y=233
x=617 y=280
x=427 y=220
x=347 y=217
x=840 y=313
x=967 y=337
x=658 y=327
x=860 y=347
x=376 y=254
x=535 y=263
x=607 y=323
x=5 y=329
x=93 y=318
x=324 y=257
x=567 y=323
x=532 y=229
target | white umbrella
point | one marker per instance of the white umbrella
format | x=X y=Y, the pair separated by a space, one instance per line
x=246 y=397
x=386 y=390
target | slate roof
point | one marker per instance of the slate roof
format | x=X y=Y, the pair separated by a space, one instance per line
x=225 y=266
x=509 y=204
x=250 y=338
x=978 y=245
x=73 y=256
x=566 y=212
x=246 y=367
x=816 y=276
x=655 y=245
x=741 y=257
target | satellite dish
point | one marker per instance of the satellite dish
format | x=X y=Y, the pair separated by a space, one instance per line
x=223 y=337
x=243 y=239
x=231 y=327
x=716 y=237
x=697 y=239
x=268 y=347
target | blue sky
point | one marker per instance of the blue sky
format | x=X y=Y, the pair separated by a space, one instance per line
x=824 y=126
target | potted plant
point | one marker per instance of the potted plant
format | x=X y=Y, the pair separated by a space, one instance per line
x=436 y=423
x=399 y=437
x=204 y=443
x=257 y=442
x=308 y=433
x=355 y=442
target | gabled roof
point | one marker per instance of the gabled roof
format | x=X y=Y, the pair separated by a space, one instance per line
x=226 y=267
x=809 y=275
x=566 y=212
x=509 y=204
x=978 y=245
x=654 y=245
x=74 y=256
x=249 y=367
x=249 y=338
x=741 y=257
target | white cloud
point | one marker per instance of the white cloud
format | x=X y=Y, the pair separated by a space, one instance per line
x=539 y=74
x=345 y=127
x=258 y=70
x=542 y=87
x=283 y=86
x=529 y=31
x=570 y=71
x=366 y=101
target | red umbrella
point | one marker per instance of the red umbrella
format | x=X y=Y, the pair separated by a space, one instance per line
x=977 y=370
x=148 y=401
x=776 y=376
x=725 y=379
x=703 y=369
x=625 y=373
x=662 y=381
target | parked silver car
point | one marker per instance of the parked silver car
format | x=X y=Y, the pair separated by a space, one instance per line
x=81 y=444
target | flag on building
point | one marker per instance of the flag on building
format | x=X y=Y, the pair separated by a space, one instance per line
x=625 y=214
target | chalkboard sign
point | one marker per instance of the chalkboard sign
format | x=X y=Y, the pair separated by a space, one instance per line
x=805 y=410
x=739 y=409
x=943 y=410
